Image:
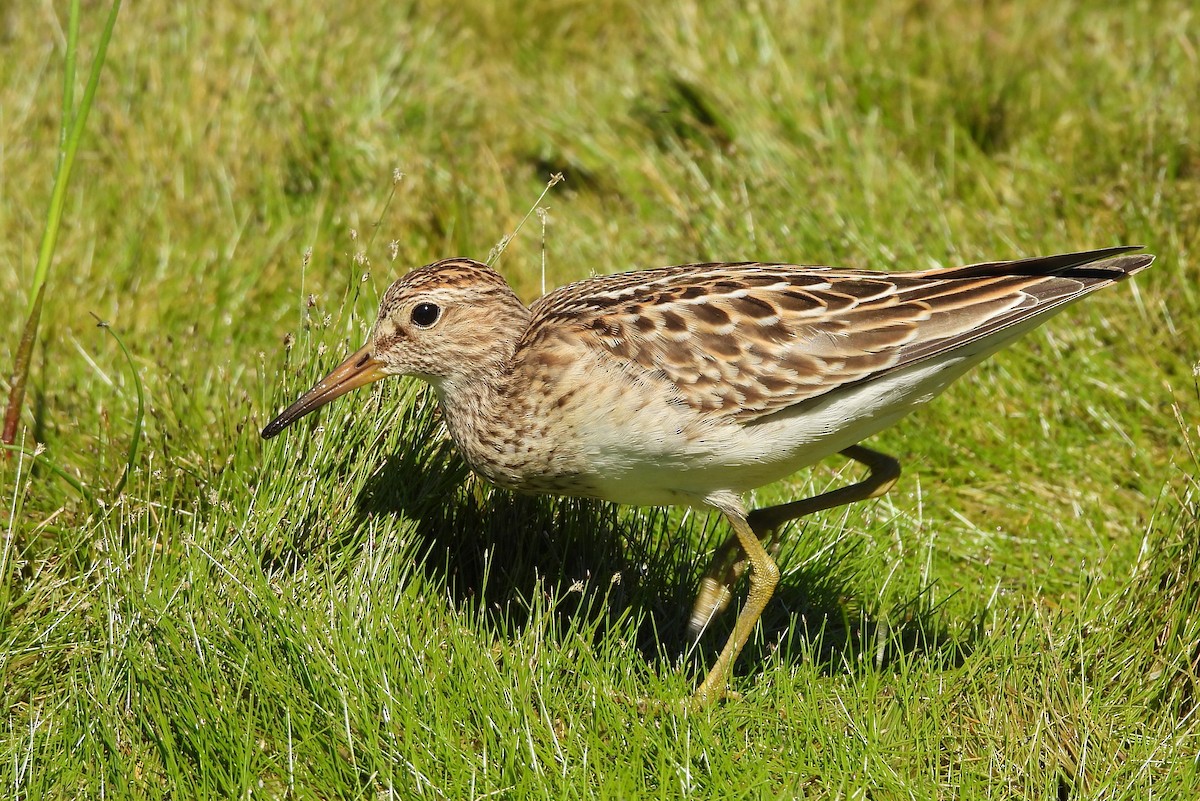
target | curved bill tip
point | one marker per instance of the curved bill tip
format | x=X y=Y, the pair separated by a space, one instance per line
x=360 y=368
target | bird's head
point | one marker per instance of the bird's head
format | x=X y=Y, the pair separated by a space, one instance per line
x=446 y=322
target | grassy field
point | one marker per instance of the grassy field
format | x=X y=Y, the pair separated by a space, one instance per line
x=345 y=612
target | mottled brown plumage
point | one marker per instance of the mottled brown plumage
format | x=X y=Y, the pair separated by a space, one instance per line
x=696 y=383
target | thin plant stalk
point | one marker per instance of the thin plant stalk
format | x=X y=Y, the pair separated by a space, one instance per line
x=35 y=455
x=71 y=133
x=139 y=417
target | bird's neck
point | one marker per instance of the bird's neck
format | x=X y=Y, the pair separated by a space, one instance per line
x=478 y=406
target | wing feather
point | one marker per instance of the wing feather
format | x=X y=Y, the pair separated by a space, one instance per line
x=747 y=339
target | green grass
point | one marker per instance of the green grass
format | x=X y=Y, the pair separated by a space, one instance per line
x=345 y=613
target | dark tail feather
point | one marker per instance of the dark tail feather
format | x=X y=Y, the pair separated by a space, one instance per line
x=1106 y=264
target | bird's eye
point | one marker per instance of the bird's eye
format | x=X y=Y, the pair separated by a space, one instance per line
x=426 y=314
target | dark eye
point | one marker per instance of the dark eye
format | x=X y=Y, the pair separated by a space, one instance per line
x=426 y=314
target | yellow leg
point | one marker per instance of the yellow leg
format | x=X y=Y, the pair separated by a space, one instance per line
x=730 y=560
x=764 y=575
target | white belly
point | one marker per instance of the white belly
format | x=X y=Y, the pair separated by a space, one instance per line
x=665 y=454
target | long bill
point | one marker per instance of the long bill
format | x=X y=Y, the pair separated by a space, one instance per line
x=359 y=369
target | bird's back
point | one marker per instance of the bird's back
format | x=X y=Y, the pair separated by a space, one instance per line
x=746 y=340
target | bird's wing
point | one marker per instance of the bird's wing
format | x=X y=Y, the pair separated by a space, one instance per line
x=745 y=340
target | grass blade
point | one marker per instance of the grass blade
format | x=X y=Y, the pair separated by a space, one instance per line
x=24 y=355
x=75 y=125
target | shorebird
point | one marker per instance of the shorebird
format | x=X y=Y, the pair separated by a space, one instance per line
x=697 y=383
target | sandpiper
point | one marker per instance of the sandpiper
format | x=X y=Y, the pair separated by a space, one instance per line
x=697 y=383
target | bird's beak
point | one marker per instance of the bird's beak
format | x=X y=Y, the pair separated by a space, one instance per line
x=359 y=369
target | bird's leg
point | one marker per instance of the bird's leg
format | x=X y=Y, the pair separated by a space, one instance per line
x=729 y=561
x=764 y=575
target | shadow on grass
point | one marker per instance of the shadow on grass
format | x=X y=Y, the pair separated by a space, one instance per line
x=505 y=557
x=815 y=616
